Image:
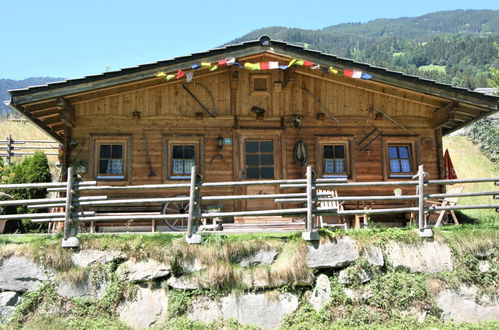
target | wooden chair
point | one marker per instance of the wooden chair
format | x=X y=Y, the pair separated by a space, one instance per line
x=448 y=201
x=331 y=204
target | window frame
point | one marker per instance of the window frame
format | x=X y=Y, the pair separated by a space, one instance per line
x=171 y=140
x=260 y=153
x=320 y=142
x=99 y=140
x=255 y=76
x=413 y=146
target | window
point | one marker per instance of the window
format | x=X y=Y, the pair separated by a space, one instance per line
x=333 y=157
x=259 y=159
x=400 y=159
x=181 y=154
x=260 y=84
x=400 y=156
x=111 y=157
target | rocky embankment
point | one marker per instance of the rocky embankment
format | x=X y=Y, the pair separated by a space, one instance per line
x=261 y=287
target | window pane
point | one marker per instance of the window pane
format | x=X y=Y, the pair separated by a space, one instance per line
x=252 y=173
x=189 y=152
x=105 y=151
x=252 y=160
x=103 y=166
x=178 y=152
x=328 y=166
x=328 y=152
x=267 y=159
x=117 y=151
x=339 y=152
x=178 y=166
x=251 y=146
x=188 y=164
x=392 y=151
x=405 y=165
x=394 y=166
x=339 y=166
x=267 y=172
x=116 y=166
x=266 y=146
x=403 y=152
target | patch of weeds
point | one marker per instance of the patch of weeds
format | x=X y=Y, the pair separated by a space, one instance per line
x=290 y=267
x=183 y=323
x=46 y=321
x=338 y=296
x=178 y=302
x=306 y=318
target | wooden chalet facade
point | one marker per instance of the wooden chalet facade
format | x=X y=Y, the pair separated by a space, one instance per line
x=134 y=127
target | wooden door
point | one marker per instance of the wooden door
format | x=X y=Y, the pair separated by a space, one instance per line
x=260 y=160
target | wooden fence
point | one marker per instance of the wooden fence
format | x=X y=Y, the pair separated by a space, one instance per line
x=10 y=148
x=72 y=204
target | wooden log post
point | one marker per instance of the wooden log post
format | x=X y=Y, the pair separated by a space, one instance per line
x=422 y=230
x=194 y=208
x=9 y=150
x=69 y=240
x=311 y=233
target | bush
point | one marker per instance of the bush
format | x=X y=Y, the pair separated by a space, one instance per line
x=33 y=169
x=486 y=135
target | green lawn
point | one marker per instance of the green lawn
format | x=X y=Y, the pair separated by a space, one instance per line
x=439 y=68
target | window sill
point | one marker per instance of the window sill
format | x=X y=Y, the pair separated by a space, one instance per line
x=395 y=176
x=178 y=177
x=332 y=176
x=116 y=178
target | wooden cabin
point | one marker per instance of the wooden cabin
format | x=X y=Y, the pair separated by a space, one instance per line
x=252 y=111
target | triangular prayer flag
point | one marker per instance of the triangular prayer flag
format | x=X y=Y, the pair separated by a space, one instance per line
x=333 y=70
x=189 y=76
x=205 y=64
x=213 y=68
x=307 y=63
x=365 y=76
x=170 y=77
x=195 y=66
x=315 y=67
x=252 y=66
x=222 y=62
x=180 y=74
x=161 y=74
x=273 y=65
x=283 y=67
x=357 y=74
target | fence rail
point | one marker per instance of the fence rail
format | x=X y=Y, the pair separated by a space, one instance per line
x=73 y=205
x=11 y=148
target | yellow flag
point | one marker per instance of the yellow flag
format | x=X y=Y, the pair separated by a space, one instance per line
x=213 y=68
x=205 y=64
x=292 y=62
x=161 y=74
x=248 y=66
x=333 y=70
x=170 y=77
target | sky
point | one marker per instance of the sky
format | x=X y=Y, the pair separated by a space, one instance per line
x=75 y=38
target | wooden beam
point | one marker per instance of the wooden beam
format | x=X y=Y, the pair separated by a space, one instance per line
x=66 y=112
x=443 y=115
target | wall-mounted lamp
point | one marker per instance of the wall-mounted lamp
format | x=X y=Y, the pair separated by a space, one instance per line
x=220 y=143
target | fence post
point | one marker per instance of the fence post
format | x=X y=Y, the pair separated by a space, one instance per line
x=422 y=230
x=311 y=233
x=9 y=149
x=69 y=240
x=194 y=208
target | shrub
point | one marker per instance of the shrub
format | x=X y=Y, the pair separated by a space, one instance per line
x=486 y=135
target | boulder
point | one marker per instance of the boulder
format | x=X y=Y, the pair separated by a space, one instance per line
x=321 y=292
x=204 y=309
x=192 y=265
x=336 y=254
x=427 y=258
x=93 y=288
x=374 y=256
x=8 y=302
x=260 y=257
x=21 y=274
x=85 y=258
x=350 y=276
x=259 y=309
x=148 y=308
x=143 y=270
x=484 y=266
x=184 y=283
x=466 y=304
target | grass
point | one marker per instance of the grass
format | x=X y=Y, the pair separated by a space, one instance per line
x=469 y=162
x=431 y=67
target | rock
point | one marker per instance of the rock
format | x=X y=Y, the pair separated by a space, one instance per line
x=184 y=283
x=427 y=258
x=374 y=256
x=259 y=309
x=258 y=279
x=484 y=266
x=8 y=302
x=484 y=254
x=260 y=257
x=350 y=276
x=85 y=258
x=88 y=288
x=321 y=293
x=337 y=254
x=204 y=309
x=143 y=270
x=465 y=304
x=192 y=265
x=20 y=274
x=148 y=308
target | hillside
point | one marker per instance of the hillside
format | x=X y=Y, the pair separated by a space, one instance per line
x=7 y=84
x=453 y=47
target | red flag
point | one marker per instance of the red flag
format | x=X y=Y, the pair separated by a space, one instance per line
x=264 y=66
x=450 y=172
x=222 y=62
x=307 y=63
x=180 y=74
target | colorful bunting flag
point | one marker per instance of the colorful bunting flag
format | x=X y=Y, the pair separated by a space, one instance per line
x=365 y=76
x=231 y=61
x=308 y=64
x=170 y=77
x=315 y=67
x=213 y=68
x=222 y=63
x=189 y=76
x=161 y=74
x=252 y=66
x=352 y=74
x=283 y=67
x=292 y=62
x=205 y=65
x=333 y=70
x=195 y=66
x=299 y=62
x=180 y=74
x=269 y=65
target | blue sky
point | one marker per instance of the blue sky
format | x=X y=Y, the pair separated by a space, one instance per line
x=74 y=38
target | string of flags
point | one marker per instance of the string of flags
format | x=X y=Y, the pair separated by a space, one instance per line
x=272 y=65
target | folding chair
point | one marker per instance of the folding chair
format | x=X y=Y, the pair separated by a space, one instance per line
x=448 y=201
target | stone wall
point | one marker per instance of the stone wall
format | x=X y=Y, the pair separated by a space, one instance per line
x=258 y=303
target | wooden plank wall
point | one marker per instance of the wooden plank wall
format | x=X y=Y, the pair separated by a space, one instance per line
x=167 y=109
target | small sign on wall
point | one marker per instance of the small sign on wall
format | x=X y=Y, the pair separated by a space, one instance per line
x=228 y=141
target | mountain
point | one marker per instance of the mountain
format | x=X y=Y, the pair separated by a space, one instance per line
x=7 y=84
x=455 y=47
